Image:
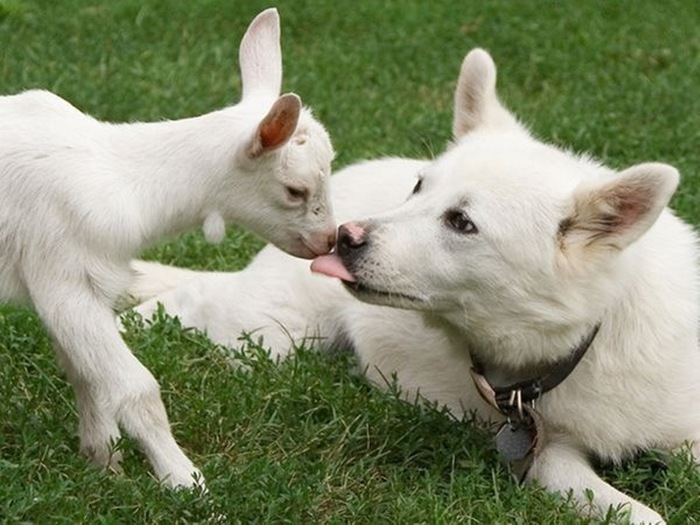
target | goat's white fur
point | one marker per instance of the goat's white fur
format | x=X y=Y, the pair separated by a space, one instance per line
x=80 y=198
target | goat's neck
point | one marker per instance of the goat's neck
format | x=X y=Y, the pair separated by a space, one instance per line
x=178 y=170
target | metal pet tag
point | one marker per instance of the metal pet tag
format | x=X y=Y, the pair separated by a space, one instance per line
x=519 y=442
x=515 y=441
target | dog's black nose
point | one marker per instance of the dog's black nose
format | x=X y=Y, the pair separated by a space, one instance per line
x=351 y=237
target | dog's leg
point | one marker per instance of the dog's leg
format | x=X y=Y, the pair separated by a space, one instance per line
x=562 y=468
x=111 y=385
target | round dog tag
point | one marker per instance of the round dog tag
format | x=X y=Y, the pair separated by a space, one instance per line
x=514 y=441
x=518 y=441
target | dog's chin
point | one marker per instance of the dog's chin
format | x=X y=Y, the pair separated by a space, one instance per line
x=370 y=295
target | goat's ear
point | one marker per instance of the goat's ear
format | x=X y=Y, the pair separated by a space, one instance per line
x=260 y=56
x=476 y=103
x=618 y=211
x=278 y=126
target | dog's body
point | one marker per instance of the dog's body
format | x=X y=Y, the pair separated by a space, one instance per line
x=508 y=250
x=80 y=198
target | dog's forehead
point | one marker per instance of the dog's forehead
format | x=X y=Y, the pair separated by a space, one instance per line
x=510 y=165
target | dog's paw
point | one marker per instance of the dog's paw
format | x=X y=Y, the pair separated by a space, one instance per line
x=187 y=479
x=642 y=515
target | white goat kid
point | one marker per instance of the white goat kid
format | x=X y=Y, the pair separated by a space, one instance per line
x=80 y=198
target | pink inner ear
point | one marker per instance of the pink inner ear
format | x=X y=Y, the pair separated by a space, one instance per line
x=274 y=133
x=609 y=215
x=277 y=129
x=630 y=204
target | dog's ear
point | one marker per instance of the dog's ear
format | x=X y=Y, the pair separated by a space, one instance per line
x=618 y=211
x=260 y=56
x=476 y=101
x=278 y=126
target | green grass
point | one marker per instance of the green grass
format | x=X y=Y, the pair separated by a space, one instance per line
x=306 y=441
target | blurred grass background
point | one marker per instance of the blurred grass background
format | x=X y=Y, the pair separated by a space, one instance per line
x=306 y=441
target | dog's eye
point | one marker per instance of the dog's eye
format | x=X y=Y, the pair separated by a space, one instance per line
x=417 y=187
x=296 y=194
x=460 y=222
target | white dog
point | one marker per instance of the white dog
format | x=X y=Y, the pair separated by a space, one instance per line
x=80 y=198
x=512 y=259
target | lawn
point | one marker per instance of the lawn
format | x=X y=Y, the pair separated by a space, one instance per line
x=307 y=441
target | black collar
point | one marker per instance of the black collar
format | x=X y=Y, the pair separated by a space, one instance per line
x=507 y=398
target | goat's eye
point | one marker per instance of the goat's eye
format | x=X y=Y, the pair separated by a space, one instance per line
x=296 y=194
x=460 y=222
x=417 y=187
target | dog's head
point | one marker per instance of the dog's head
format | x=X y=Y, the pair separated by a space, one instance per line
x=284 y=158
x=501 y=228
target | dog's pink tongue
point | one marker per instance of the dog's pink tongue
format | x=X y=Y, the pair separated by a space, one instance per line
x=332 y=266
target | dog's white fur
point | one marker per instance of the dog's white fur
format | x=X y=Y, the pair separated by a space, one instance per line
x=80 y=198
x=511 y=249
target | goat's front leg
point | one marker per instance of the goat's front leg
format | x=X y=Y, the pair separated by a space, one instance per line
x=112 y=387
x=562 y=468
x=98 y=426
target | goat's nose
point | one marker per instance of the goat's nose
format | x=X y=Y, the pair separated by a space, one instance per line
x=350 y=236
